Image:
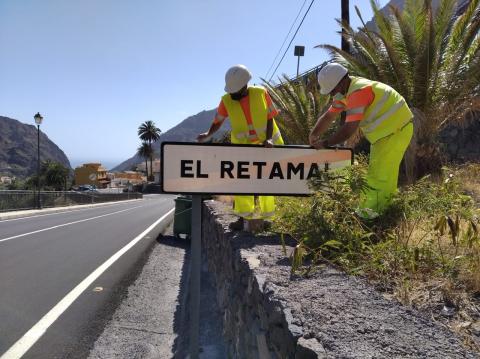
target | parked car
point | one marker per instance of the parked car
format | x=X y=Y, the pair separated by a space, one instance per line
x=85 y=188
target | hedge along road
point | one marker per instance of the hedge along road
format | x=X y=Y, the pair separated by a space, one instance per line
x=61 y=274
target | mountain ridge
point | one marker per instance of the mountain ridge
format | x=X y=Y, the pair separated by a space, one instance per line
x=18 y=149
x=185 y=131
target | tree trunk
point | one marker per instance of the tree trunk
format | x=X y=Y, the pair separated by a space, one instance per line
x=423 y=155
x=152 y=176
x=146 y=167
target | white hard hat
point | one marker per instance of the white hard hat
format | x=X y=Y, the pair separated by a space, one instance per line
x=330 y=76
x=236 y=78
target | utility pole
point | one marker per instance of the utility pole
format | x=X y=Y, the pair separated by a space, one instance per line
x=345 y=20
x=345 y=43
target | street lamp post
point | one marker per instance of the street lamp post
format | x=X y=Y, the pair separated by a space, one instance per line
x=38 y=120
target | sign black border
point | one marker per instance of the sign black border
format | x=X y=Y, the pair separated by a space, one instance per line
x=237 y=145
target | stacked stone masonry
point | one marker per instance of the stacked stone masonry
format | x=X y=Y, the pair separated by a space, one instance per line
x=460 y=142
x=267 y=313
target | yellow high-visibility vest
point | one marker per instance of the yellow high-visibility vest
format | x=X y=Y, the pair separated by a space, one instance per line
x=255 y=133
x=388 y=112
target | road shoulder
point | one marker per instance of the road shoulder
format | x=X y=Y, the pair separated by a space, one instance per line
x=144 y=324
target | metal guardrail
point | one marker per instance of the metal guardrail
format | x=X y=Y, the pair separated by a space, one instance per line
x=21 y=200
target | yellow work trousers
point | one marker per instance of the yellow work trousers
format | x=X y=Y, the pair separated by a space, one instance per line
x=244 y=206
x=385 y=157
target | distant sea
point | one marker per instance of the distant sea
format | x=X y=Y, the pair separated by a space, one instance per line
x=108 y=164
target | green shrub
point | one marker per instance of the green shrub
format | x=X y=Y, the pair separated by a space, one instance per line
x=430 y=230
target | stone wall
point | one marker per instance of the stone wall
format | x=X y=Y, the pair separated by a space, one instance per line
x=268 y=313
x=256 y=325
x=461 y=143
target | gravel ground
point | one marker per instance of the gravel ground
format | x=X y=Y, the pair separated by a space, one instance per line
x=349 y=317
x=152 y=321
x=146 y=323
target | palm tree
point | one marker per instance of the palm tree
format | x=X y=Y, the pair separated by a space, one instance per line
x=54 y=174
x=432 y=57
x=149 y=133
x=300 y=104
x=145 y=151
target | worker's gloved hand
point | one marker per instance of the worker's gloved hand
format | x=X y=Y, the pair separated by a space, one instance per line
x=318 y=144
x=203 y=137
x=312 y=140
x=268 y=143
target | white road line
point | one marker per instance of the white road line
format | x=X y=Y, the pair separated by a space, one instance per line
x=66 y=224
x=22 y=345
x=63 y=212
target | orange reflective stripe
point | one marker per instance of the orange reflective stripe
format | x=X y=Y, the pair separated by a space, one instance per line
x=271 y=109
x=338 y=104
x=355 y=114
x=222 y=110
x=335 y=109
x=218 y=119
x=245 y=103
x=354 y=117
x=360 y=98
x=272 y=112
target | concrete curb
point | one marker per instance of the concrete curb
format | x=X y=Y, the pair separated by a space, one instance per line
x=35 y=212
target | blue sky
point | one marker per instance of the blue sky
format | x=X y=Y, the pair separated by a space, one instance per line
x=96 y=69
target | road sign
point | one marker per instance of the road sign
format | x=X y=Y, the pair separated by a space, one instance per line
x=92 y=176
x=192 y=168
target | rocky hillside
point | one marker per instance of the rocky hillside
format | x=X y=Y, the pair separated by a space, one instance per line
x=18 y=149
x=185 y=131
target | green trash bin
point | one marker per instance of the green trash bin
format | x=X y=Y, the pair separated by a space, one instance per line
x=182 y=223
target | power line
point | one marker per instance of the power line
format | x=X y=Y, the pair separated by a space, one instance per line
x=298 y=28
x=285 y=39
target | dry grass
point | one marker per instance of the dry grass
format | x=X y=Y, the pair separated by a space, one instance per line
x=434 y=270
x=469 y=175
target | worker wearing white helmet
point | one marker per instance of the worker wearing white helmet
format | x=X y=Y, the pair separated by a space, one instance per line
x=382 y=115
x=251 y=113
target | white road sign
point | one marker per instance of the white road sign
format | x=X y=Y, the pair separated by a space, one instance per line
x=193 y=168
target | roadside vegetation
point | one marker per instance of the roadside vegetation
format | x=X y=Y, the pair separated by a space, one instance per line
x=54 y=176
x=425 y=250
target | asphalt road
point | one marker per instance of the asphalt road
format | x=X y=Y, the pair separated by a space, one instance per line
x=63 y=274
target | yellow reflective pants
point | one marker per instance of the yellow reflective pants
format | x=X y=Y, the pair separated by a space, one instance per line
x=385 y=157
x=244 y=206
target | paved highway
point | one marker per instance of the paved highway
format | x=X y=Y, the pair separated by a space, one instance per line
x=62 y=274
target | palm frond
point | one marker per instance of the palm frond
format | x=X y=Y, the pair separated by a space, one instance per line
x=299 y=107
x=458 y=37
